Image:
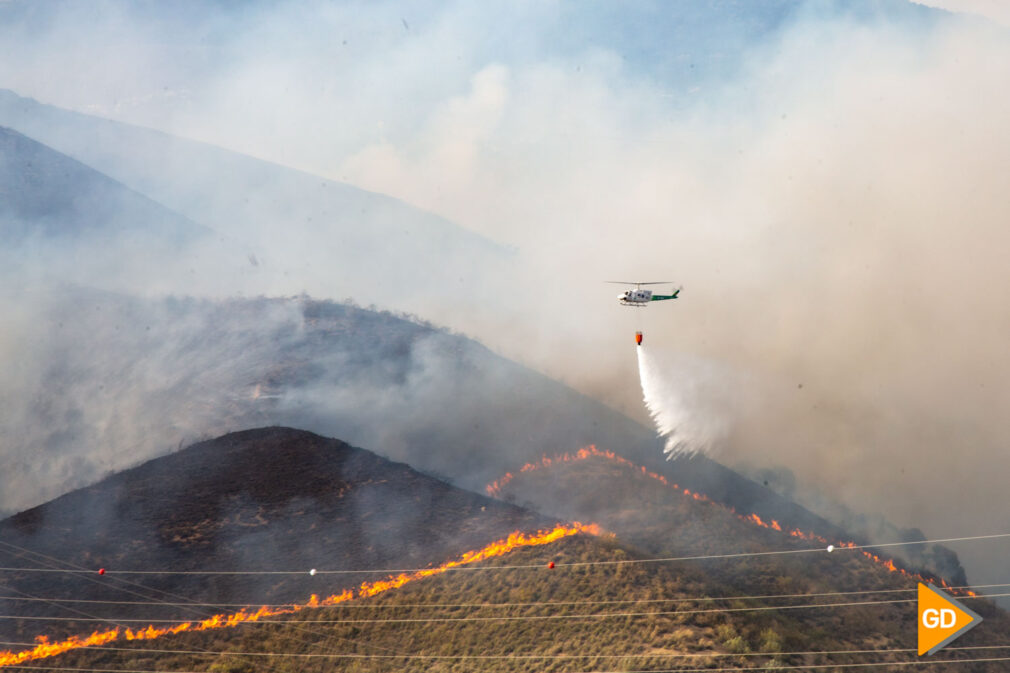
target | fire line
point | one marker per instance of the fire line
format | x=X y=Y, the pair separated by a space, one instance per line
x=494 y=489
x=518 y=539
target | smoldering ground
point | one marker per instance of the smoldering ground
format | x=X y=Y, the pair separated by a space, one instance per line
x=832 y=201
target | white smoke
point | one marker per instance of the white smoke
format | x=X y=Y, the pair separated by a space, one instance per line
x=691 y=400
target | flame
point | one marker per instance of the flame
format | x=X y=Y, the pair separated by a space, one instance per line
x=494 y=489
x=45 y=648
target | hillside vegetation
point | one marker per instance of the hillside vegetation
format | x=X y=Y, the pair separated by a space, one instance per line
x=601 y=616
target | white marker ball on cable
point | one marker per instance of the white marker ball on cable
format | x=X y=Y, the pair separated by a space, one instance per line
x=312 y=572
x=831 y=548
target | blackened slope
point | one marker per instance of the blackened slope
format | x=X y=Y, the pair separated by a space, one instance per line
x=266 y=499
x=667 y=522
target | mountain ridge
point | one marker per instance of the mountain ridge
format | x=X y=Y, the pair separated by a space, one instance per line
x=257 y=500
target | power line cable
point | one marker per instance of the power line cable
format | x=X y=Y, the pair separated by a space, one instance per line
x=778 y=667
x=535 y=657
x=575 y=564
x=471 y=618
x=50 y=560
x=375 y=606
x=810 y=667
x=192 y=606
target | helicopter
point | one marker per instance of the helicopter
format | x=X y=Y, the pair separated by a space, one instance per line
x=640 y=297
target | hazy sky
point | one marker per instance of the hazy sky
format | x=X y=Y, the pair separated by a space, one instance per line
x=994 y=10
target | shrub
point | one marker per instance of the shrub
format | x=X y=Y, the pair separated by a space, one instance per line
x=737 y=645
x=771 y=641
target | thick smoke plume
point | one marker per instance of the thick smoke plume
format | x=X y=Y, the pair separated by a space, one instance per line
x=827 y=180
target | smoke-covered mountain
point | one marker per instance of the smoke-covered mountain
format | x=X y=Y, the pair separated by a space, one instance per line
x=46 y=194
x=122 y=380
x=340 y=241
x=62 y=219
x=270 y=499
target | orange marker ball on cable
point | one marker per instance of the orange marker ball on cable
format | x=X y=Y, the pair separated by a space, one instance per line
x=551 y=565
x=101 y=571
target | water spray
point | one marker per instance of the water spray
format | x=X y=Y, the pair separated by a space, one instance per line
x=689 y=412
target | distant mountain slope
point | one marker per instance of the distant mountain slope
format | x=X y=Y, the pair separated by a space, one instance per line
x=62 y=219
x=45 y=193
x=268 y=499
x=304 y=233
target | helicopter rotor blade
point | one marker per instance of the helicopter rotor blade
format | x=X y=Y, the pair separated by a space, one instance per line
x=626 y=282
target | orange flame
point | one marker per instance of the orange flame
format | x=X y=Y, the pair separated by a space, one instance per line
x=495 y=487
x=45 y=648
